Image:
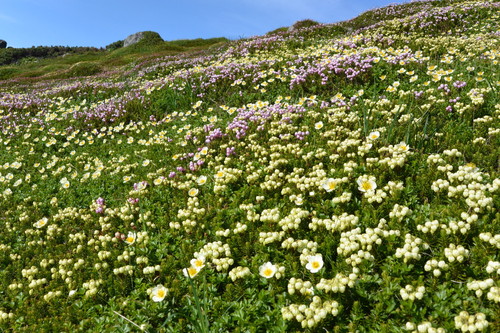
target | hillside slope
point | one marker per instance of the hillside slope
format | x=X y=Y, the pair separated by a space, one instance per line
x=335 y=178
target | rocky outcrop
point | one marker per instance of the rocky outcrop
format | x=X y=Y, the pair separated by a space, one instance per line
x=149 y=36
x=132 y=39
x=3 y=44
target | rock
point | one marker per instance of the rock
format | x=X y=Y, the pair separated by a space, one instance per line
x=132 y=39
x=3 y=44
x=149 y=36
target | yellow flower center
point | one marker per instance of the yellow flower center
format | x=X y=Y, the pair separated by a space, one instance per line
x=198 y=263
x=161 y=293
x=268 y=272
x=366 y=186
x=130 y=239
x=192 y=271
x=332 y=185
x=315 y=264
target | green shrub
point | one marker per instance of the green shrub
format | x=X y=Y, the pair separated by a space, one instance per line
x=150 y=38
x=7 y=73
x=116 y=45
x=84 y=69
x=304 y=24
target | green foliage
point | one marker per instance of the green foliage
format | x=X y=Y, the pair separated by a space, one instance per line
x=116 y=45
x=13 y=55
x=84 y=69
x=312 y=180
x=198 y=42
x=304 y=24
x=277 y=31
x=7 y=72
x=149 y=38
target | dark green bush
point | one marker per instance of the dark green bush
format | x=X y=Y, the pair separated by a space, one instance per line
x=304 y=24
x=116 y=45
x=12 y=55
x=150 y=38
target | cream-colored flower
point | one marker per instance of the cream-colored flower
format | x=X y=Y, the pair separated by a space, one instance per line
x=130 y=238
x=64 y=182
x=191 y=272
x=193 y=192
x=366 y=183
x=329 y=185
x=374 y=135
x=402 y=146
x=267 y=270
x=219 y=174
x=201 y=180
x=314 y=263
x=40 y=223
x=158 y=293
x=198 y=262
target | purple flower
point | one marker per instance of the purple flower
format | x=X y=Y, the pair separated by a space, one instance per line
x=133 y=201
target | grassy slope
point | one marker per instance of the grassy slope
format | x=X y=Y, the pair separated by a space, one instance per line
x=60 y=67
x=405 y=96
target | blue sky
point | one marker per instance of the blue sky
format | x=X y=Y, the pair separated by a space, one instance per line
x=26 y=23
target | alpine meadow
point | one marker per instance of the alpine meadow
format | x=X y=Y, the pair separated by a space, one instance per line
x=324 y=178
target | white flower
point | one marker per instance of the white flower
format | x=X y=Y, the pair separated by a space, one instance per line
x=64 y=182
x=374 y=135
x=366 y=183
x=158 y=293
x=314 y=263
x=198 y=262
x=267 y=270
x=130 y=238
x=329 y=184
x=201 y=180
x=402 y=146
x=219 y=174
x=193 y=192
x=191 y=271
x=318 y=125
x=42 y=222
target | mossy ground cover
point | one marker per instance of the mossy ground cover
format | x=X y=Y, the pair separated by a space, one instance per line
x=316 y=180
